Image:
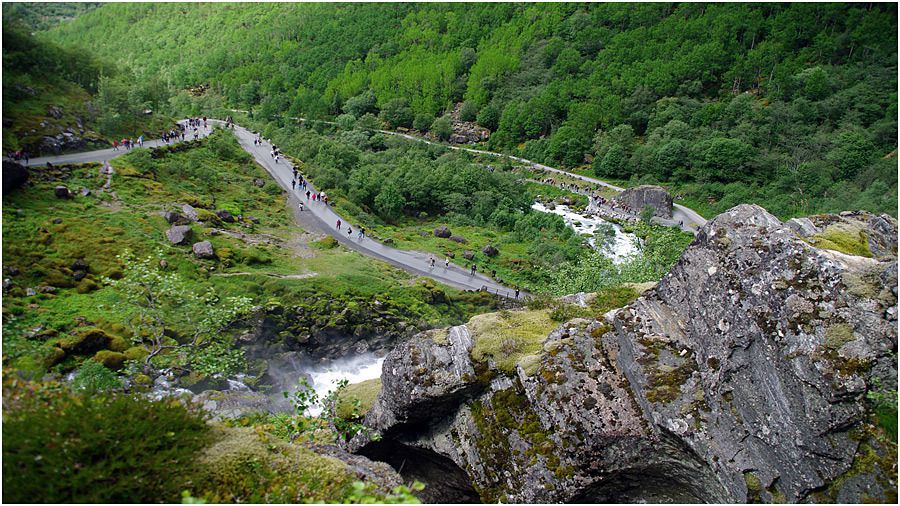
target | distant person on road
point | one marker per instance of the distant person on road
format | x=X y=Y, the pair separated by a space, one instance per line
x=517 y=291
x=474 y=268
x=141 y=141
x=338 y=224
x=307 y=194
x=204 y=121
x=362 y=233
x=300 y=205
x=349 y=232
x=446 y=262
x=293 y=184
x=431 y=262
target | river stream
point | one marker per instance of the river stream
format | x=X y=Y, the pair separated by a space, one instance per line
x=602 y=235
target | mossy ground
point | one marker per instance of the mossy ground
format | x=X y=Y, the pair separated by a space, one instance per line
x=508 y=336
x=211 y=174
x=365 y=392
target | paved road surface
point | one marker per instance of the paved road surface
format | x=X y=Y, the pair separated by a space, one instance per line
x=317 y=216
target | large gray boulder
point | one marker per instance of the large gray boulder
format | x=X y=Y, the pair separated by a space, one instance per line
x=443 y=232
x=741 y=377
x=203 y=249
x=190 y=212
x=638 y=197
x=179 y=234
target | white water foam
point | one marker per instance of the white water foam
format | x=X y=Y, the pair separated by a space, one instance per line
x=619 y=246
x=355 y=369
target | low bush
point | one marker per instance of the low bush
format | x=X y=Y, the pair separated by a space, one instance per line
x=64 y=447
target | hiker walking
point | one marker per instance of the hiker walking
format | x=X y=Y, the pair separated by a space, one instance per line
x=300 y=205
x=307 y=194
x=517 y=291
x=431 y=262
x=474 y=268
x=362 y=233
x=446 y=262
x=338 y=224
x=293 y=184
x=115 y=146
x=349 y=232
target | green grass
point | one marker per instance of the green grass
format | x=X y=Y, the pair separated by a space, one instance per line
x=210 y=175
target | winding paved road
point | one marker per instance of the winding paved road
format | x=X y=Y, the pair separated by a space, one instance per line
x=318 y=216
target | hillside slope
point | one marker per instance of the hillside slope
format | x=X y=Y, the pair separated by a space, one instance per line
x=791 y=106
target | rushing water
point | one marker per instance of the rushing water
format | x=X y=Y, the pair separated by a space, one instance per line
x=324 y=377
x=601 y=235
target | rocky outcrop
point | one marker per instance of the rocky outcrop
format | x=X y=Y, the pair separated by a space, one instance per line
x=740 y=377
x=638 y=197
x=14 y=176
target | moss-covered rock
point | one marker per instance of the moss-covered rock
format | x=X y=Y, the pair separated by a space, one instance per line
x=136 y=353
x=364 y=392
x=244 y=465
x=85 y=341
x=111 y=359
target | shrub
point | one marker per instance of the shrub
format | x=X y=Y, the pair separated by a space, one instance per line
x=93 y=376
x=468 y=111
x=442 y=128
x=97 y=448
x=422 y=122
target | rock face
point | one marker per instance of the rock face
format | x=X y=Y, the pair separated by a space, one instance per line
x=740 y=377
x=638 y=197
x=14 y=176
x=179 y=234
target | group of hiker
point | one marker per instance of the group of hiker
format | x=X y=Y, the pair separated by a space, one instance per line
x=128 y=143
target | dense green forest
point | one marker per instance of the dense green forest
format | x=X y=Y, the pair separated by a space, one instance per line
x=789 y=106
x=41 y=16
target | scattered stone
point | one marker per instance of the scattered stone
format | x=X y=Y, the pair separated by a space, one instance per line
x=29 y=292
x=490 y=251
x=174 y=218
x=442 y=232
x=450 y=254
x=253 y=219
x=258 y=182
x=12 y=270
x=163 y=264
x=388 y=241
x=57 y=221
x=458 y=238
x=78 y=275
x=84 y=192
x=179 y=234
x=225 y=216
x=7 y=283
x=468 y=255
x=62 y=192
x=190 y=212
x=55 y=111
x=203 y=249
x=47 y=289
x=80 y=265
x=214 y=232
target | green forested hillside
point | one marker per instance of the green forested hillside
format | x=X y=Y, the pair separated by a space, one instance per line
x=789 y=106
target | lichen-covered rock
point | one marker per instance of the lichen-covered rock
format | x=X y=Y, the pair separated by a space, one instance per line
x=443 y=232
x=179 y=234
x=742 y=376
x=638 y=197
